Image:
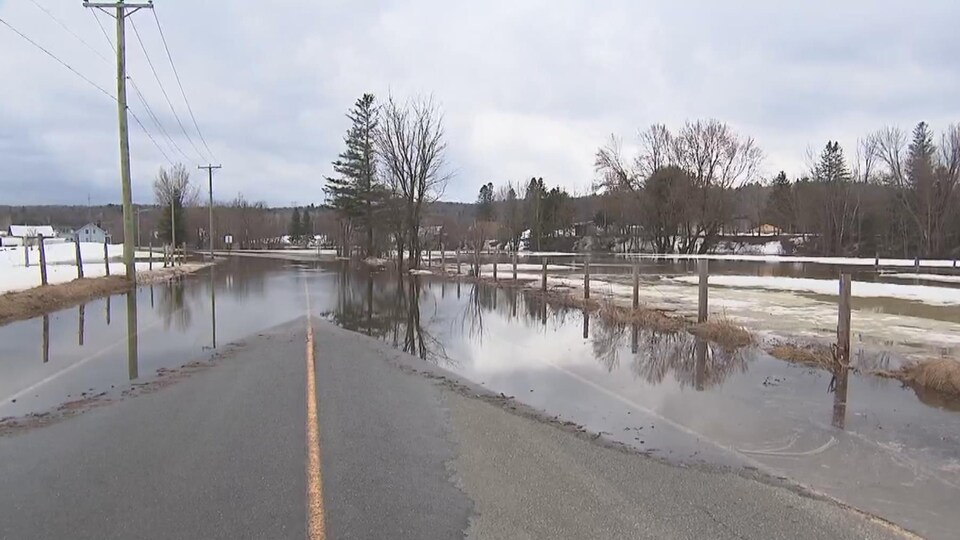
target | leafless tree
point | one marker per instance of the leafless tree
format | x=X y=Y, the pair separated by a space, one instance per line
x=411 y=146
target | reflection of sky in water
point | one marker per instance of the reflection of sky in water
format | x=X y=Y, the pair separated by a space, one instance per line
x=670 y=395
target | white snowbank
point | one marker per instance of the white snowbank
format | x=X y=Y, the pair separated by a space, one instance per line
x=919 y=293
x=61 y=264
x=839 y=261
x=926 y=277
x=420 y=272
x=18 y=279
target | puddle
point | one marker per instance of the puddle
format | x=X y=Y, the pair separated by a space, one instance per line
x=870 y=442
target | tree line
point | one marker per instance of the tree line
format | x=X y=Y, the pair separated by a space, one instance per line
x=683 y=191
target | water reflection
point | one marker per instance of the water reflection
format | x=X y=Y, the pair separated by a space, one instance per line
x=133 y=365
x=386 y=307
x=838 y=385
x=174 y=309
x=80 y=320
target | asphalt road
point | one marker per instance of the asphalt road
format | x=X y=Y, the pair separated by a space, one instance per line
x=222 y=453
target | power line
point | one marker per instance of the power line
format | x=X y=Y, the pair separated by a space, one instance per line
x=144 y=128
x=69 y=31
x=61 y=62
x=164 y=91
x=156 y=120
x=88 y=81
x=180 y=84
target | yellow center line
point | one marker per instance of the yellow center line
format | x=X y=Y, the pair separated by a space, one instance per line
x=315 y=518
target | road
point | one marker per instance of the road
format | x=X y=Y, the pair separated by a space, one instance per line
x=405 y=451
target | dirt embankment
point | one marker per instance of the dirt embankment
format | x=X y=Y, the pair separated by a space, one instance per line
x=20 y=305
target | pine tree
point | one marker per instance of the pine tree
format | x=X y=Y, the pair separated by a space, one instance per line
x=485 y=203
x=356 y=193
x=306 y=226
x=780 y=203
x=295 y=226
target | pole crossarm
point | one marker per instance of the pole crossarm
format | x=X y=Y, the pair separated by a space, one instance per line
x=119 y=6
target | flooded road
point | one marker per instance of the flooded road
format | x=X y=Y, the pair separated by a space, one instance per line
x=864 y=440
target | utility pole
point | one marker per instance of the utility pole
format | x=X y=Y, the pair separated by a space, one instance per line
x=121 y=11
x=210 y=169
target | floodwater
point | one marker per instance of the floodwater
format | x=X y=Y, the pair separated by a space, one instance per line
x=870 y=442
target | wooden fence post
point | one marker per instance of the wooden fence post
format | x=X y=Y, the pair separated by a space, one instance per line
x=586 y=277
x=704 y=289
x=183 y=253
x=495 y=270
x=43 y=261
x=458 y=261
x=151 y=254
x=79 y=258
x=543 y=281
x=106 y=257
x=843 y=321
x=514 y=265
x=443 y=260
x=636 y=284
x=26 y=253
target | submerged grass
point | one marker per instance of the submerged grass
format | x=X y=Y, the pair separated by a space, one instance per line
x=941 y=374
x=724 y=332
x=814 y=355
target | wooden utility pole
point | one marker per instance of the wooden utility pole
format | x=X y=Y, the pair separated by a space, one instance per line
x=121 y=11
x=210 y=169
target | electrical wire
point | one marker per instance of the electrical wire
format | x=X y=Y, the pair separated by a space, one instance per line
x=69 y=31
x=61 y=62
x=156 y=120
x=163 y=38
x=87 y=80
x=164 y=91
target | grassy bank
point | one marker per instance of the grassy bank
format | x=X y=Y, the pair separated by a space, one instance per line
x=21 y=305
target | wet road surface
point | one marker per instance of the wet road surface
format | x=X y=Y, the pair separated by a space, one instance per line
x=703 y=410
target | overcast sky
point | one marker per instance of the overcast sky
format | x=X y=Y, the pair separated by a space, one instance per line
x=527 y=88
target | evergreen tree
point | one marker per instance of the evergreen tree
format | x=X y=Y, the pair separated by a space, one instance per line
x=306 y=226
x=832 y=167
x=780 y=203
x=356 y=193
x=295 y=226
x=534 y=207
x=485 y=203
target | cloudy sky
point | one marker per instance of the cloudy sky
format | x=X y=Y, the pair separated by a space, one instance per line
x=527 y=87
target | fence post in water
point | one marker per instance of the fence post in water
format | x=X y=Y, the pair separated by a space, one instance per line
x=543 y=281
x=495 y=270
x=586 y=277
x=636 y=285
x=458 y=261
x=876 y=261
x=150 y=248
x=704 y=289
x=106 y=257
x=443 y=260
x=843 y=321
x=514 y=265
x=43 y=261
x=916 y=264
x=76 y=246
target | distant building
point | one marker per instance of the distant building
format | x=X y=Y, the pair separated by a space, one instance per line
x=31 y=231
x=91 y=232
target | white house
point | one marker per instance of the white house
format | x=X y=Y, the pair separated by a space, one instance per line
x=91 y=232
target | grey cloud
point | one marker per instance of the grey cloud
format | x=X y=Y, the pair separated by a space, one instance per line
x=528 y=88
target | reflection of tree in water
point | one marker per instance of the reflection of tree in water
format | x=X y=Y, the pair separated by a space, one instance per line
x=386 y=306
x=242 y=277
x=173 y=306
x=607 y=339
x=692 y=361
x=511 y=304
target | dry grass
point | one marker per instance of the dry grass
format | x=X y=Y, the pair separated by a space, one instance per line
x=652 y=319
x=19 y=305
x=809 y=355
x=941 y=374
x=724 y=332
